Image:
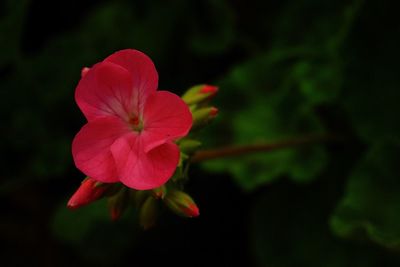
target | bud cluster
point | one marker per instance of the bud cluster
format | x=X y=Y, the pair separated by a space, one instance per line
x=198 y=98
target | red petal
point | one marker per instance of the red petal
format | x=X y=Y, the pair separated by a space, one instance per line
x=166 y=118
x=106 y=89
x=142 y=171
x=142 y=70
x=91 y=148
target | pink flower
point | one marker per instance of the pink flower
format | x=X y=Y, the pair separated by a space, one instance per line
x=131 y=127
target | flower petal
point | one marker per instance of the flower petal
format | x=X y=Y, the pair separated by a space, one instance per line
x=91 y=148
x=142 y=70
x=166 y=118
x=142 y=171
x=106 y=89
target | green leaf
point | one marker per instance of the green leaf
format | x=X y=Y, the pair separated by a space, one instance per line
x=371 y=204
x=318 y=81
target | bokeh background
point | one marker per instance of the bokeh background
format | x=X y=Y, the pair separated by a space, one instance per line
x=286 y=69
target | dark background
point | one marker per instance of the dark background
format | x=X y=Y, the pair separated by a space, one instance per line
x=286 y=69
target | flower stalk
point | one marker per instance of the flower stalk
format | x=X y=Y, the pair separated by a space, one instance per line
x=239 y=150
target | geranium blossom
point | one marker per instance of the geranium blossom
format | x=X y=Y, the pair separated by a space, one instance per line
x=131 y=128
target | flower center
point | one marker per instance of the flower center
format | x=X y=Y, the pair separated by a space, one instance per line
x=136 y=123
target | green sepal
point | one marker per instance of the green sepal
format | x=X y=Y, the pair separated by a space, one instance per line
x=148 y=213
x=188 y=146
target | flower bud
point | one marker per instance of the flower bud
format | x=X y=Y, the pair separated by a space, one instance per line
x=189 y=146
x=148 y=213
x=181 y=203
x=159 y=192
x=118 y=203
x=199 y=93
x=84 y=71
x=203 y=116
x=89 y=191
x=139 y=197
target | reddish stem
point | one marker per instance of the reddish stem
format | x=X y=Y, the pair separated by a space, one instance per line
x=238 y=150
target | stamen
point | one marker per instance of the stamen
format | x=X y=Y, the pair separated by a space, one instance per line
x=136 y=123
x=134 y=120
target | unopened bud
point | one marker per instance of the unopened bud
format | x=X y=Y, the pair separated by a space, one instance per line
x=159 y=192
x=181 y=203
x=199 y=93
x=213 y=112
x=84 y=71
x=189 y=146
x=139 y=197
x=148 y=213
x=118 y=203
x=203 y=116
x=89 y=191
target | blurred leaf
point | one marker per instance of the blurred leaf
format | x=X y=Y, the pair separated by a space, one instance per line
x=308 y=163
x=371 y=96
x=325 y=30
x=263 y=104
x=90 y=231
x=118 y=25
x=289 y=228
x=370 y=207
x=73 y=226
x=11 y=25
x=319 y=82
x=274 y=95
x=212 y=27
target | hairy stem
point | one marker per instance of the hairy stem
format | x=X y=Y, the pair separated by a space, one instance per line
x=237 y=150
